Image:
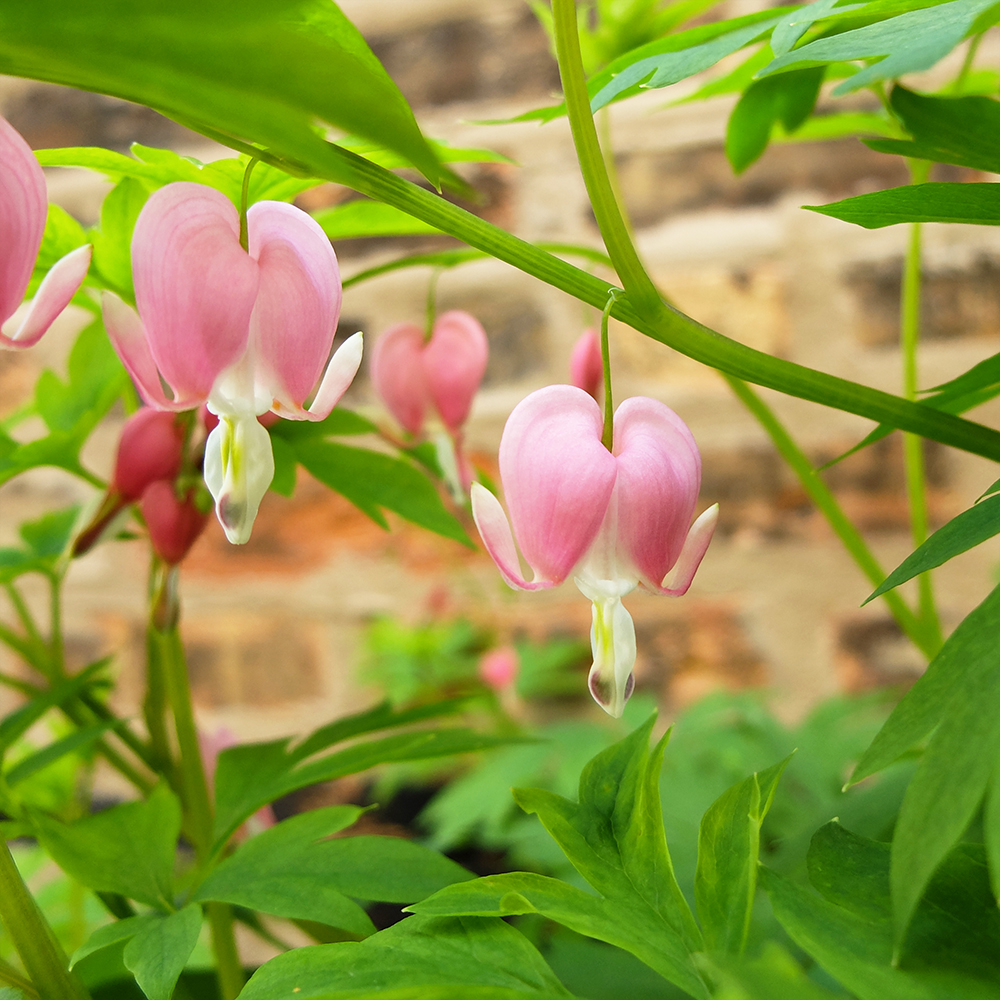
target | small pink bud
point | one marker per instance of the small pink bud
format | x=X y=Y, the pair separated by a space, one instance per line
x=174 y=524
x=444 y=373
x=499 y=668
x=150 y=448
x=586 y=366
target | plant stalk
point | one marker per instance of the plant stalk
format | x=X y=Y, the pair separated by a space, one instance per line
x=36 y=944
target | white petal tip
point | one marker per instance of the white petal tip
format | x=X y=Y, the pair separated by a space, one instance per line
x=604 y=693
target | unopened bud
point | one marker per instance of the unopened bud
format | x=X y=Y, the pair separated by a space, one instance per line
x=174 y=523
x=499 y=668
x=586 y=366
x=150 y=448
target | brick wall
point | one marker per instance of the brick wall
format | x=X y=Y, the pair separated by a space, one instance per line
x=273 y=628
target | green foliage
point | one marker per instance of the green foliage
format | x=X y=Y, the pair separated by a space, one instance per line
x=356 y=219
x=294 y=870
x=128 y=849
x=728 y=851
x=961 y=533
x=265 y=77
x=158 y=951
x=937 y=201
x=434 y=958
x=45 y=542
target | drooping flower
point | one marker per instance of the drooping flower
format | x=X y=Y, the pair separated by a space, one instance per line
x=612 y=520
x=174 y=522
x=23 y=208
x=499 y=668
x=418 y=378
x=245 y=331
x=151 y=447
x=586 y=366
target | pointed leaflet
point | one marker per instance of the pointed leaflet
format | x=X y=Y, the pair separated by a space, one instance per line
x=960 y=534
x=128 y=849
x=265 y=76
x=292 y=870
x=937 y=201
x=157 y=953
x=423 y=953
x=728 y=851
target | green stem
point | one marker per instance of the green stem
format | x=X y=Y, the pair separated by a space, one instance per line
x=244 y=199
x=27 y=619
x=913 y=453
x=823 y=498
x=431 y=311
x=970 y=55
x=588 y=150
x=36 y=944
x=10 y=976
x=57 y=648
x=611 y=167
x=664 y=324
x=198 y=804
x=608 y=436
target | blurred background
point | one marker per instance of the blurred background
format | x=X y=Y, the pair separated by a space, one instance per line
x=278 y=629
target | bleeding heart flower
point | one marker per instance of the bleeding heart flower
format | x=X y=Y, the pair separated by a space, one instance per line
x=499 y=667
x=243 y=331
x=23 y=207
x=612 y=520
x=151 y=447
x=586 y=366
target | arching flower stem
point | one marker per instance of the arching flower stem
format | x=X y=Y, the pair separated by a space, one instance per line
x=608 y=435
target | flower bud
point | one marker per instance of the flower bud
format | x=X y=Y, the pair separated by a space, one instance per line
x=174 y=523
x=586 y=366
x=151 y=448
x=499 y=668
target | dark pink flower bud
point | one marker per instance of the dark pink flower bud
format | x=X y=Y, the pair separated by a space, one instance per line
x=586 y=366
x=174 y=523
x=151 y=448
x=499 y=668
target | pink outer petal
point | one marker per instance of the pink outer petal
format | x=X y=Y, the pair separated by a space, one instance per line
x=586 y=366
x=339 y=375
x=128 y=337
x=454 y=364
x=677 y=581
x=52 y=297
x=659 y=475
x=298 y=301
x=22 y=217
x=557 y=477
x=494 y=529
x=195 y=286
x=398 y=374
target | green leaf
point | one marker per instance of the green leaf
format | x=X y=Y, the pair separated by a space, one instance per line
x=961 y=533
x=75 y=742
x=967 y=655
x=822 y=128
x=264 y=77
x=251 y=775
x=284 y=479
x=112 y=260
x=156 y=955
x=18 y=722
x=292 y=871
x=795 y=23
x=420 y=952
x=857 y=952
x=614 y=838
x=128 y=849
x=339 y=423
x=369 y=218
x=908 y=43
x=788 y=98
x=62 y=235
x=933 y=202
x=111 y=934
x=676 y=57
x=372 y=481
x=728 y=852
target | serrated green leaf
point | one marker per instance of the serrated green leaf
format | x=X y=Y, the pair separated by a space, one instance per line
x=425 y=953
x=728 y=853
x=156 y=955
x=128 y=849
x=961 y=533
x=907 y=43
x=936 y=201
x=265 y=77
x=373 y=481
x=292 y=871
